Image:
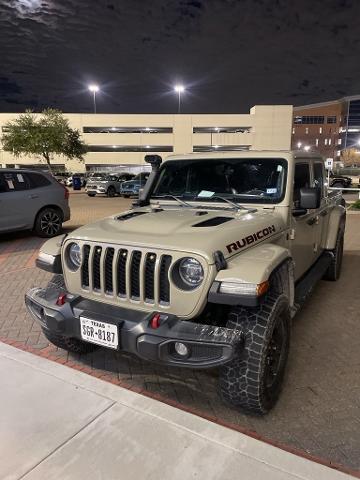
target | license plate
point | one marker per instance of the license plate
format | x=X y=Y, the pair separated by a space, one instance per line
x=101 y=333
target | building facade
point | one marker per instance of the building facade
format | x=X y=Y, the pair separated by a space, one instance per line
x=118 y=142
x=327 y=127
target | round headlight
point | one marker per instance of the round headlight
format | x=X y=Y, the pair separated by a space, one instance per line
x=191 y=272
x=74 y=256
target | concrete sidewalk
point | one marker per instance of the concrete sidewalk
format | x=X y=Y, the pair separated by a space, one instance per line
x=58 y=423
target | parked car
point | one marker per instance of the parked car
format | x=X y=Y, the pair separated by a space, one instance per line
x=109 y=185
x=207 y=270
x=32 y=200
x=339 y=181
x=132 y=188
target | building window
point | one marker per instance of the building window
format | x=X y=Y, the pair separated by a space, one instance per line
x=329 y=141
x=317 y=142
x=309 y=119
x=339 y=141
x=293 y=131
x=306 y=130
x=127 y=130
x=326 y=141
x=130 y=148
x=338 y=153
x=331 y=119
x=320 y=130
x=221 y=129
x=220 y=148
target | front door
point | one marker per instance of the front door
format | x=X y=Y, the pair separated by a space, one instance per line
x=13 y=201
x=303 y=230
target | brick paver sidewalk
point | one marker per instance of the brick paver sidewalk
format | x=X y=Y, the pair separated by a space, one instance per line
x=319 y=410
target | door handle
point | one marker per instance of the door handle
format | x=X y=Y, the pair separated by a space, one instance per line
x=33 y=196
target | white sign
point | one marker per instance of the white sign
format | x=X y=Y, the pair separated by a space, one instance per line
x=329 y=163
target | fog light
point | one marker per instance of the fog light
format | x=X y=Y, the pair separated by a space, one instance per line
x=181 y=349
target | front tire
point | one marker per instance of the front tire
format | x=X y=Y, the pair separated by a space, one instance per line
x=48 y=223
x=72 y=345
x=253 y=379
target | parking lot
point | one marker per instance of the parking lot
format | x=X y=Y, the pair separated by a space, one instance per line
x=319 y=410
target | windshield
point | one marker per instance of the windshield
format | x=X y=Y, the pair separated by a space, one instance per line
x=247 y=180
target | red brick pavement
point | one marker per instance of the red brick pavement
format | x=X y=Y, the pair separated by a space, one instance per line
x=319 y=410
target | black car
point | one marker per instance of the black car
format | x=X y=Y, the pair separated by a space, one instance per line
x=339 y=181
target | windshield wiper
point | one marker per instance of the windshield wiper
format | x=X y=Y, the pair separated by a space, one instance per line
x=234 y=204
x=172 y=197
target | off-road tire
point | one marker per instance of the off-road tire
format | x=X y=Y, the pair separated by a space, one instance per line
x=111 y=192
x=72 y=345
x=248 y=380
x=334 y=270
x=48 y=222
x=91 y=194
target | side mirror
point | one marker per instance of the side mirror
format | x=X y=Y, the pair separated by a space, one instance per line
x=310 y=198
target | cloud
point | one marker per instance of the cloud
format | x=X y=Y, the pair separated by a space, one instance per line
x=231 y=54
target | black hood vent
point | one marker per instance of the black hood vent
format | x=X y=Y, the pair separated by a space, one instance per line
x=130 y=215
x=213 y=222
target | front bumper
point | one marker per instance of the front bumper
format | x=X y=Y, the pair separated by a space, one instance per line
x=209 y=346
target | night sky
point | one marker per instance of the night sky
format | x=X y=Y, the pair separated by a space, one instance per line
x=230 y=54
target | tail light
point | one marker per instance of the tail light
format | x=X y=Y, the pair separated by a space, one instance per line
x=66 y=191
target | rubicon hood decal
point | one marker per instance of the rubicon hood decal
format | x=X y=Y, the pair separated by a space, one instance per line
x=254 y=237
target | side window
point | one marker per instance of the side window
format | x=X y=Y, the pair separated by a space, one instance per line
x=319 y=176
x=301 y=180
x=15 y=182
x=37 y=180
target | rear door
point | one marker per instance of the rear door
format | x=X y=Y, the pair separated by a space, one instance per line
x=322 y=217
x=14 y=205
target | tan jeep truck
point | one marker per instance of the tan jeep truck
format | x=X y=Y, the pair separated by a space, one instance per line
x=207 y=269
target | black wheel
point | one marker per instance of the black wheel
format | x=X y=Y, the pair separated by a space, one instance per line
x=48 y=223
x=253 y=379
x=334 y=270
x=126 y=196
x=111 y=192
x=72 y=345
x=91 y=194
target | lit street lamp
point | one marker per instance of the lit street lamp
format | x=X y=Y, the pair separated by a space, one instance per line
x=94 y=89
x=179 y=89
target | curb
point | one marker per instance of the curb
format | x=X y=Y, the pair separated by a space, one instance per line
x=48 y=353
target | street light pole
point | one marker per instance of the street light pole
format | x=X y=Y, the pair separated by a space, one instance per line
x=179 y=89
x=94 y=89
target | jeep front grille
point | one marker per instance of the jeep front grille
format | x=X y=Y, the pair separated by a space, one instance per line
x=126 y=273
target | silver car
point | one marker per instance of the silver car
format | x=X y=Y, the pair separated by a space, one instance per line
x=32 y=200
x=109 y=185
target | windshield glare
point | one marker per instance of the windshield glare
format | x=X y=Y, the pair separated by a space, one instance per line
x=247 y=180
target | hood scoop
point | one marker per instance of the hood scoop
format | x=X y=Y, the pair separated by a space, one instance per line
x=130 y=215
x=213 y=222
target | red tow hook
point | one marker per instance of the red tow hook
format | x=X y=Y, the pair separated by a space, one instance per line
x=61 y=299
x=155 y=321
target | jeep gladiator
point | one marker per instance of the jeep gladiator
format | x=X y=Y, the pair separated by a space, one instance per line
x=206 y=270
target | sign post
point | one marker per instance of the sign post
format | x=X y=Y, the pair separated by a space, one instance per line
x=329 y=163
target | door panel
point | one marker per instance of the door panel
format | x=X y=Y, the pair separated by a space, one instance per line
x=303 y=245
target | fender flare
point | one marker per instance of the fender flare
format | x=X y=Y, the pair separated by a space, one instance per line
x=254 y=266
x=337 y=221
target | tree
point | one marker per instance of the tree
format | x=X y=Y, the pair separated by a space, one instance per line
x=350 y=157
x=43 y=136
